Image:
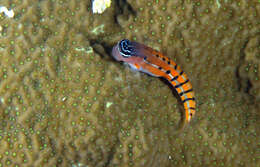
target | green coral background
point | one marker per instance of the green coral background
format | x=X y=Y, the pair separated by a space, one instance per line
x=64 y=101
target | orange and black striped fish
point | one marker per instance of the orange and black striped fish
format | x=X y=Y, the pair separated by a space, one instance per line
x=145 y=59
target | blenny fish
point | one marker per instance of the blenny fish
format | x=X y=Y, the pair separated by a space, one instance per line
x=145 y=59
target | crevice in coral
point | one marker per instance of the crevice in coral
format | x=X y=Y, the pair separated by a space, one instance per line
x=111 y=154
x=101 y=47
x=110 y=157
x=122 y=7
x=248 y=86
x=238 y=78
x=243 y=82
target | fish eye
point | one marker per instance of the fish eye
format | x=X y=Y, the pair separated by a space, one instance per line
x=125 y=48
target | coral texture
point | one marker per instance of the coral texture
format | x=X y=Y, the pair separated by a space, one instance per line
x=65 y=102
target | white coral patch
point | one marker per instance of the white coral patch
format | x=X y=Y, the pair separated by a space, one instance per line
x=108 y=104
x=8 y=13
x=99 y=6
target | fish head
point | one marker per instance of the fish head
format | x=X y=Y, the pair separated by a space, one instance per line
x=126 y=51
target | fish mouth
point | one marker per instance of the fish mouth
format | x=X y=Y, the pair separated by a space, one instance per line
x=115 y=53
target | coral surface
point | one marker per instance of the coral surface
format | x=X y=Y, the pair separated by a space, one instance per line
x=64 y=101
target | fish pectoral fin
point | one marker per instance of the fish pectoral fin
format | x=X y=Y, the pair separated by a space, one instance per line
x=135 y=66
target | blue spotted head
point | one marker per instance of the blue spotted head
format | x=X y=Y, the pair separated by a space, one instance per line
x=123 y=50
x=130 y=52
